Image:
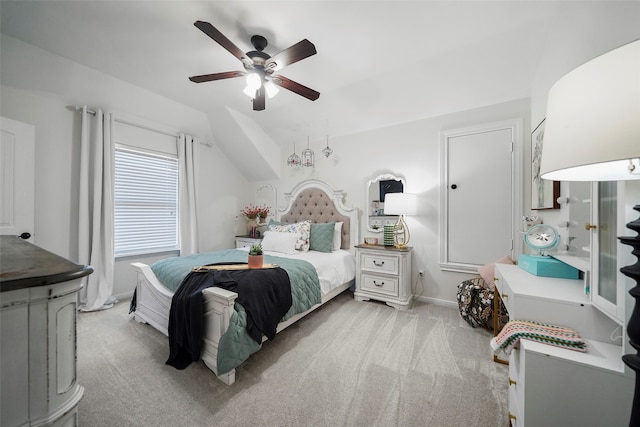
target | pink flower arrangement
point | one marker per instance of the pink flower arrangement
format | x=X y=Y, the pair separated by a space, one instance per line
x=255 y=212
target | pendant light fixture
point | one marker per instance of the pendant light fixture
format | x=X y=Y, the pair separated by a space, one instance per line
x=308 y=156
x=327 y=150
x=294 y=159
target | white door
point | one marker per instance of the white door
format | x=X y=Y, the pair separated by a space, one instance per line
x=480 y=197
x=17 y=174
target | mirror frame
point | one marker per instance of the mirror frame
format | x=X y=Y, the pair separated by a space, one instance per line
x=392 y=218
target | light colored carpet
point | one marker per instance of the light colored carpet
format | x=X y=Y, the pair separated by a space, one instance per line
x=347 y=364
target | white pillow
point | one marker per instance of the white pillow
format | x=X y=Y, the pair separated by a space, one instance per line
x=282 y=242
x=337 y=236
x=301 y=229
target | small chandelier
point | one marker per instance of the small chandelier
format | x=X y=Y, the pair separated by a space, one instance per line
x=294 y=159
x=308 y=156
x=327 y=150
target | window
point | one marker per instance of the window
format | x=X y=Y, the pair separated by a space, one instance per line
x=145 y=202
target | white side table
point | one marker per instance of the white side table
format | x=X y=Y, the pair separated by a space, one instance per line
x=246 y=241
x=383 y=274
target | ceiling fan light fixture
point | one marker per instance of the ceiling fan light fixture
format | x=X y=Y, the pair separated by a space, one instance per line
x=259 y=66
x=271 y=89
x=250 y=92
x=253 y=81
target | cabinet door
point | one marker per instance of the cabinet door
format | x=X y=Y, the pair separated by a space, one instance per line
x=479 y=195
x=606 y=296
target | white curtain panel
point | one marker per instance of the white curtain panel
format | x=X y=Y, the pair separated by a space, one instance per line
x=95 y=245
x=188 y=148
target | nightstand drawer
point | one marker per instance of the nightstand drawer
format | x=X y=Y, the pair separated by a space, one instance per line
x=380 y=263
x=380 y=284
x=246 y=242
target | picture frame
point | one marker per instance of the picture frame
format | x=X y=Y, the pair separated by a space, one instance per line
x=544 y=193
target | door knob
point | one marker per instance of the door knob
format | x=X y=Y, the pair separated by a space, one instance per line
x=454 y=186
x=588 y=226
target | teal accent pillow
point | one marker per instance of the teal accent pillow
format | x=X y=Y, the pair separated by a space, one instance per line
x=274 y=222
x=321 y=237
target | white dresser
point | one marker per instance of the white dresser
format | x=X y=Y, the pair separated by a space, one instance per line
x=383 y=274
x=550 y=386
x=38 y=296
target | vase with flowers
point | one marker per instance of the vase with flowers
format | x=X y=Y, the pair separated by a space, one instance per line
x=255 y=216
x=255 y=256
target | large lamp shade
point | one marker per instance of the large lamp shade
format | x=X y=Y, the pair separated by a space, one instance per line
x=592 y=133
x=592 y=128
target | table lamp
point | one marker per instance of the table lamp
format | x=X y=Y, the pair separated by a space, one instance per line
x=592 y=133
x=400 y=204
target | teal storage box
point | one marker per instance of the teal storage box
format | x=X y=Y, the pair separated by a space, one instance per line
x=547 y=266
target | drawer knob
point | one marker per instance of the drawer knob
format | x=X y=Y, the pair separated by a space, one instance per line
x=511 y=416
x=378 y=264
x=588 y=226
x=512 y=382
x=378 y=284
x=505 y=295
x=495 y=279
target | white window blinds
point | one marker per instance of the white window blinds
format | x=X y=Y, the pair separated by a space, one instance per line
x=146 y=202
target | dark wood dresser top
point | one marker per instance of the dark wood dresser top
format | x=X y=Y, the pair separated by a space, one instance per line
x=25 y=265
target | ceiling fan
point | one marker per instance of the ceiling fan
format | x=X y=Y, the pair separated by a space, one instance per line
x=259 y=66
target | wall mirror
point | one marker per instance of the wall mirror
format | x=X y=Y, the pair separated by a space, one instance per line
x=267 y=195
x=377 y=188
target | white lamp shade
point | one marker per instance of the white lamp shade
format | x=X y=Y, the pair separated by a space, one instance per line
x=271 y=88
x=592 y=128
x=400 y=204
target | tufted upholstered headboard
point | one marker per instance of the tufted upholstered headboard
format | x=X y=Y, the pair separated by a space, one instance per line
x=314 y=200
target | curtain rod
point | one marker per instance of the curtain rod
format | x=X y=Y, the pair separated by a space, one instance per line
x=93 y=113
x=79 y=108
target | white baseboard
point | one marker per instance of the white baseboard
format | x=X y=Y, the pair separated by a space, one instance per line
x=124 y=296
x=437 y=301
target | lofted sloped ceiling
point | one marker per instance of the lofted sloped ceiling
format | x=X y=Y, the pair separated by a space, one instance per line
x=379 y=63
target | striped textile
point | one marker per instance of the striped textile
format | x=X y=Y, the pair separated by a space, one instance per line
x=558 y=336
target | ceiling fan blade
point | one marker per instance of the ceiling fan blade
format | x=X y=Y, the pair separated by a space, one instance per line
x=220 y=38
x=301 y=90
x=216 y=76
x=259 y=100
x=299 y=51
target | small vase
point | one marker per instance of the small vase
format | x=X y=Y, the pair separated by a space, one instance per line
x=252 y=224
x=255 y=261
x=388 y=235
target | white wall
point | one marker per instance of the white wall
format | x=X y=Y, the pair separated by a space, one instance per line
x=36 y=88
x=412 y=151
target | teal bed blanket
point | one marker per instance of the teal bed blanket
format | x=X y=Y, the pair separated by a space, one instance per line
x=236 y=345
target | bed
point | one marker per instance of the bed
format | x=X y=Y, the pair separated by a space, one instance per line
x=312 y=200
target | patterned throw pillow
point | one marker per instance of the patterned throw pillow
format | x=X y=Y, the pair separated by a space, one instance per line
x=302 y=229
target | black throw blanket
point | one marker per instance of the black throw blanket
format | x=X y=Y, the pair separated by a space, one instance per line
x=265 y=295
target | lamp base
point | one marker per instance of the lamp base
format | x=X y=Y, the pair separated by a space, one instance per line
x=400 y=234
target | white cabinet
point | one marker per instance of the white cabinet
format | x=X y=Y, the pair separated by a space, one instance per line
x=383 y=274
x=38 y=292
x=551 y=386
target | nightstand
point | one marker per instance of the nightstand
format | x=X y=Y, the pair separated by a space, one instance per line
x=383 y=274
x=246 y=241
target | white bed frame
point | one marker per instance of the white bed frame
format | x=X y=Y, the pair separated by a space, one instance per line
x=153 y=300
